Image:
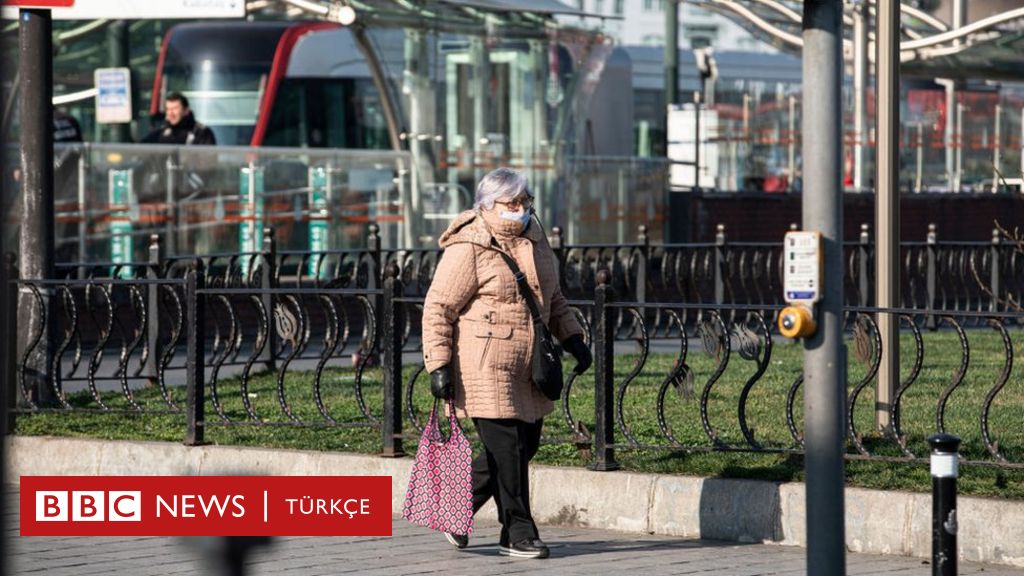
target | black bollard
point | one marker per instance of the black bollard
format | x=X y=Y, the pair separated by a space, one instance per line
x=944 y=466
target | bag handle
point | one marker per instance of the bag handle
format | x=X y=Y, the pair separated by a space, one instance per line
x=434 y=421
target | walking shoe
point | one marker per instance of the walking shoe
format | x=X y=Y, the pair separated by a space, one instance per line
x=460 y=541
x=526 y=548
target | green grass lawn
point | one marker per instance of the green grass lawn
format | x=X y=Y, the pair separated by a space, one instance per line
x=766 y=416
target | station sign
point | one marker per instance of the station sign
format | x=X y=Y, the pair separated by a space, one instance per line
x=113 y=95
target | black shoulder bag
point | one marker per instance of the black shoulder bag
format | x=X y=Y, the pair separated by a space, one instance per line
x=547 y=365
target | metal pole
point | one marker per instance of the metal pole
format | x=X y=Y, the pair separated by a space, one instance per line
x=118 y=56
x=195 y=359
x=958 y=167
x=952 y=129
x=421 y=120
x=392 y=363
x=825 y=356
x=154 y=272
x=959 y=16
x=671 y=54
x=944 y=522
x=860 y=90
x=82 y=224
x=919 y=180
x=996 y=152
x=37 y=225
x=479 y=87
x=6 y=384
x=622 y=212
x=887 y=206
x=949 y=138
x=696 y=141
x=171 y=227
x=792 y=140
x=604 y=376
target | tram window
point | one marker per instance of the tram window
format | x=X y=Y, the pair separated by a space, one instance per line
x=371 y=128
x=327 y=113
x=287 y=120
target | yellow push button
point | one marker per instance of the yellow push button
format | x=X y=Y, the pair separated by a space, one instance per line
x=796 y=322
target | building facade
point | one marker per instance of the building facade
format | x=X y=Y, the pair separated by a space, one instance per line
x=643 y=24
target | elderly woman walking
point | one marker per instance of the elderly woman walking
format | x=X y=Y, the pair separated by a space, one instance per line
x=478 y=342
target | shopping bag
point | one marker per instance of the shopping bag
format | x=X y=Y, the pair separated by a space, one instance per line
x=440 y=493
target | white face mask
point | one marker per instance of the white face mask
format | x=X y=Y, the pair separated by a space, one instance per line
x=523 y=216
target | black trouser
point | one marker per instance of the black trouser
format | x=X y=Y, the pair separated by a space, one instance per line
x=502 y=471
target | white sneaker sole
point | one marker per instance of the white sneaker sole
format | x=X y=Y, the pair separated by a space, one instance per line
x=506 y=551
x=451 y=540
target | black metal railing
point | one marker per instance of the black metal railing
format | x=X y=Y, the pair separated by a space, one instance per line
x=190 y=326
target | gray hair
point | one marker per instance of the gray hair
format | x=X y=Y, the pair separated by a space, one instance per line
x=500 y=184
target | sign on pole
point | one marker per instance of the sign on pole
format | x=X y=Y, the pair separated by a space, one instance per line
x=113 y=95
x=131 y=9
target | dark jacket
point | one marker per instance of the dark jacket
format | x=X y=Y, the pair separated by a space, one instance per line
x=188 y=131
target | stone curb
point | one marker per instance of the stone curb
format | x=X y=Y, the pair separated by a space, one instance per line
x=735 y=510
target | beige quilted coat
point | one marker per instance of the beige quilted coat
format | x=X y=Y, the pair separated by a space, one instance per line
x=475 y=319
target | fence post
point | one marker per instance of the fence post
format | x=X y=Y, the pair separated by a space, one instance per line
x=154 y=271
x=375 y=276
x=268 y=281
x=375 y=279
x=557 y=241
x=944 y=518
x=195 y=355
x=10 y=367
x=993 y=304
x=864 y=249
x=641 y=270
x=720 y=264
x=391 y=339
x=604 y=376
x=931 y=322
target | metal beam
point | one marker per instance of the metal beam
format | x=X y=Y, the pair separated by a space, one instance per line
x=671 y=55
x=887 y=206
x=860 y=89
x=118 y=56
x=36 y=238
x=824 y=352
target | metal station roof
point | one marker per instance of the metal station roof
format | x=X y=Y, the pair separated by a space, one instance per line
x=507 y=18
x=991 y=47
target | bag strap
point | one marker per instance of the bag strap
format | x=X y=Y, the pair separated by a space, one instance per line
x=453 y=421
x=524 y=288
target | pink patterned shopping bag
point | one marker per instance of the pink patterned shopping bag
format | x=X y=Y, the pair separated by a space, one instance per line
x=440 y=494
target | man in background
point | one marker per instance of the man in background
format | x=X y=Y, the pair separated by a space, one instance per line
x=180 y=126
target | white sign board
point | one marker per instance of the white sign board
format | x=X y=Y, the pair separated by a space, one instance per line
x=802 y=273
x=113 y=95
x=144 y=10
x=682 y=145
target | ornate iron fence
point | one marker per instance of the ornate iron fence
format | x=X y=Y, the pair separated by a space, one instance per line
x=184 y=324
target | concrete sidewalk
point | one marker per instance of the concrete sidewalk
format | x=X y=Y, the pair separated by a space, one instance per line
x=413 y=550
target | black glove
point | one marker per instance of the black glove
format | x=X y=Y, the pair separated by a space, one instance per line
x=580 y=351
x=441 y=382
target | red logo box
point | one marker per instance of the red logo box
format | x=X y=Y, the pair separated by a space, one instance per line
x=205 y=505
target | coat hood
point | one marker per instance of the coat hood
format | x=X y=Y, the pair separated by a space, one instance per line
x=469 y=227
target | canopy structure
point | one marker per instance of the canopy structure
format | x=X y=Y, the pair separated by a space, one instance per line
x=988 y=48
x=509 y=18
